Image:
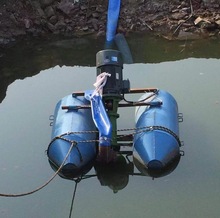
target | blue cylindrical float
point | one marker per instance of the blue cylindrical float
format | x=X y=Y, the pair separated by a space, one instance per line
x=156 y=142
x=72 y=125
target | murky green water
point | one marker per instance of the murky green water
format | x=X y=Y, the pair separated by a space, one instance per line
x=32 y=82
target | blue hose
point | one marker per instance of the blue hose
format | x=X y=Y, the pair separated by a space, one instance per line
x=111 y=37
x=112 y=19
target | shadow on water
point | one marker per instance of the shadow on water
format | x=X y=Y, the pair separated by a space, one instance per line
x=115 y=175
x=28 y=58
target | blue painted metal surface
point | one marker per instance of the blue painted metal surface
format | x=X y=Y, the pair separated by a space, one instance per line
x=101 y=120
x=112 y=19
x=157 y=148
x=66 y=121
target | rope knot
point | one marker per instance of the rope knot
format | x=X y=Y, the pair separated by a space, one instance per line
x=101 y=80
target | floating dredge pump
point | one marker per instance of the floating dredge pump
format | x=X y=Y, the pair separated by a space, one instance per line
x=77 y=118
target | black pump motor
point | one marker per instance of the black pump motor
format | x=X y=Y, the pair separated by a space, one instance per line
x=110 y=61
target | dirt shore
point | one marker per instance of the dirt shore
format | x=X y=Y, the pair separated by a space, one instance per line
x=188 y=19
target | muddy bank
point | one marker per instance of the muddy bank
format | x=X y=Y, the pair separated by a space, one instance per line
x=189 y=19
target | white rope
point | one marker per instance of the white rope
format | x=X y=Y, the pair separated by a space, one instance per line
x=100 y=83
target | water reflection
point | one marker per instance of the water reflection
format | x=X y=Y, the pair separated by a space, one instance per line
x=156 y=173
x=115 y=175
x=28 y=58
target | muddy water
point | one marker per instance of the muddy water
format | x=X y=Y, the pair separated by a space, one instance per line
x=35 y=76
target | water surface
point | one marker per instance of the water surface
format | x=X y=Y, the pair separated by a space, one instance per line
x=34 y=83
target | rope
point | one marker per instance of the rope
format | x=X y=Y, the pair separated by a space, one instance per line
x=79 y=132
x=73 y=198
x=151 y=128
x=46 y=183
x=100 y=83
x=67 y=140
x=74 y=143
